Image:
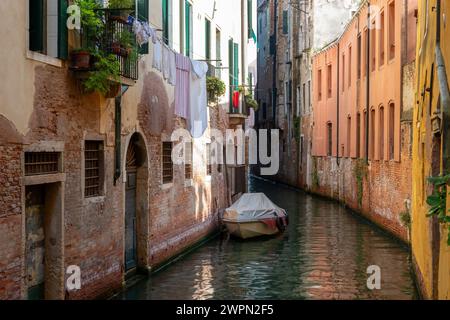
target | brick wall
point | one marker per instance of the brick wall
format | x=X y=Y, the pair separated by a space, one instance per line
x=381 y=192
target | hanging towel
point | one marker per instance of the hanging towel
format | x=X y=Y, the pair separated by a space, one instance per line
x=157 y=56
x=236 y=99
x=172 y=68
x=165 y=61
x=141 y=34
x=198 y=121
x=182 y=88
x=151 y=32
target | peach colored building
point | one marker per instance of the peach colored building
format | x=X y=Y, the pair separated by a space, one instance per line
x=343 y=131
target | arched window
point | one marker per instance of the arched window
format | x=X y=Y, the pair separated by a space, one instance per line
x=381 y=117
x=391 y=131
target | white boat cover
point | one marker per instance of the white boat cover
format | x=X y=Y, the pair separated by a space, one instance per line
x=253 y=206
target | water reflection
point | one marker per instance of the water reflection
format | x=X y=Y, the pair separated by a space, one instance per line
x=324 y=254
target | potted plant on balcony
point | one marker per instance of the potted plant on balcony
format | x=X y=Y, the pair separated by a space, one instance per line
x=91 y=24
x=215 y=88
x=120 y=9
x=123 y=44
x=105 y=76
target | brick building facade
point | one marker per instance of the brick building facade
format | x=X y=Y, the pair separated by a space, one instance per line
x=346 y=136
x=56 y=139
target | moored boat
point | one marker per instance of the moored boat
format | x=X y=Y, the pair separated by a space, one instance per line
x=254 y=215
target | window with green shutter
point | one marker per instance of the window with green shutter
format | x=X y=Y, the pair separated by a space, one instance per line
x=207 y=39
x=165 y=20
x=231 y=71
x=285 y=22
x=236 y=66
x=251 y=32
x=187 y=28
x=47 y=27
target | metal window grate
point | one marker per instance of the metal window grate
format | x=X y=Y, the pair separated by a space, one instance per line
x=92 y=168
x=188 y=161
x=167 y=165
x=38 y=163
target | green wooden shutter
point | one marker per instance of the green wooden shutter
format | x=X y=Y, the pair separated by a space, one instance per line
x=36 y=16
x=165 y=19
x=62 y=29
x=236 y=65
x=143 y=16
x=207 y=39
x=249 y=18
x=231 y=71
x=187 y=26
x=285 y=22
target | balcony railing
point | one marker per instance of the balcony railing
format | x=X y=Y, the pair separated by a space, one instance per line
x=109 y=42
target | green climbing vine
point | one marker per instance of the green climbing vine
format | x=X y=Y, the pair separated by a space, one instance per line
x=360 y=172
x=315 y=174
x=438 y=201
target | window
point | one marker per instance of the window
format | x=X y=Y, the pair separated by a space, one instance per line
x=391 y=30
x=165 y=21
x=381 y=116
x=330 y=80
x=188 y=159
x=208 y=159
x=349 y=136
x=299 y=110
x=381 y=38
x=218 y=53
x=233 y=58
x=343 y=73
x=319 y=84
x=373 y=48
x=372 y=135
x=364 y=142
x=37 y=163
x=187 y=28
x=329 y=139
x=350 y=66
x=358 y=72
x=304 y=98
x=358 y=135
x=207 y=39
x=47 y=27
x=309 y=95
x=366 y=48
x=285 y=22
x=93 y=168
x=391 y=131
x=167 y=165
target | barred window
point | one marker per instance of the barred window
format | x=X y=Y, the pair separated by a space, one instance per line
x=188 y=160
x=38 y=163
x=93 y=168
x=167 y=164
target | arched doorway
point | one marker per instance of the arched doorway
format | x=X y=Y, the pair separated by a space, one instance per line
x=136 y=203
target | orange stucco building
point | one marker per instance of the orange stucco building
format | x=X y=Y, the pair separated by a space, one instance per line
x=375 y=56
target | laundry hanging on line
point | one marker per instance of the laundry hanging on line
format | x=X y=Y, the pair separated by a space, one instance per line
x=182 y=88
x=198 y=121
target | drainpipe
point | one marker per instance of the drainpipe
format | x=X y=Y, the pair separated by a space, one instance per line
x=445 y=94
x=117 y=133
x=367 y=82
x=337 y=102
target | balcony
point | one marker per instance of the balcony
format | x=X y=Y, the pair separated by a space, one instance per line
x=109 y=39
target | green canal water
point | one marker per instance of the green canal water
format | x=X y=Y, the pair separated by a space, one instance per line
x=324 y=254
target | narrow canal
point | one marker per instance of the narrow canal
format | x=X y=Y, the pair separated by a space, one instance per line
x=324 y=254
